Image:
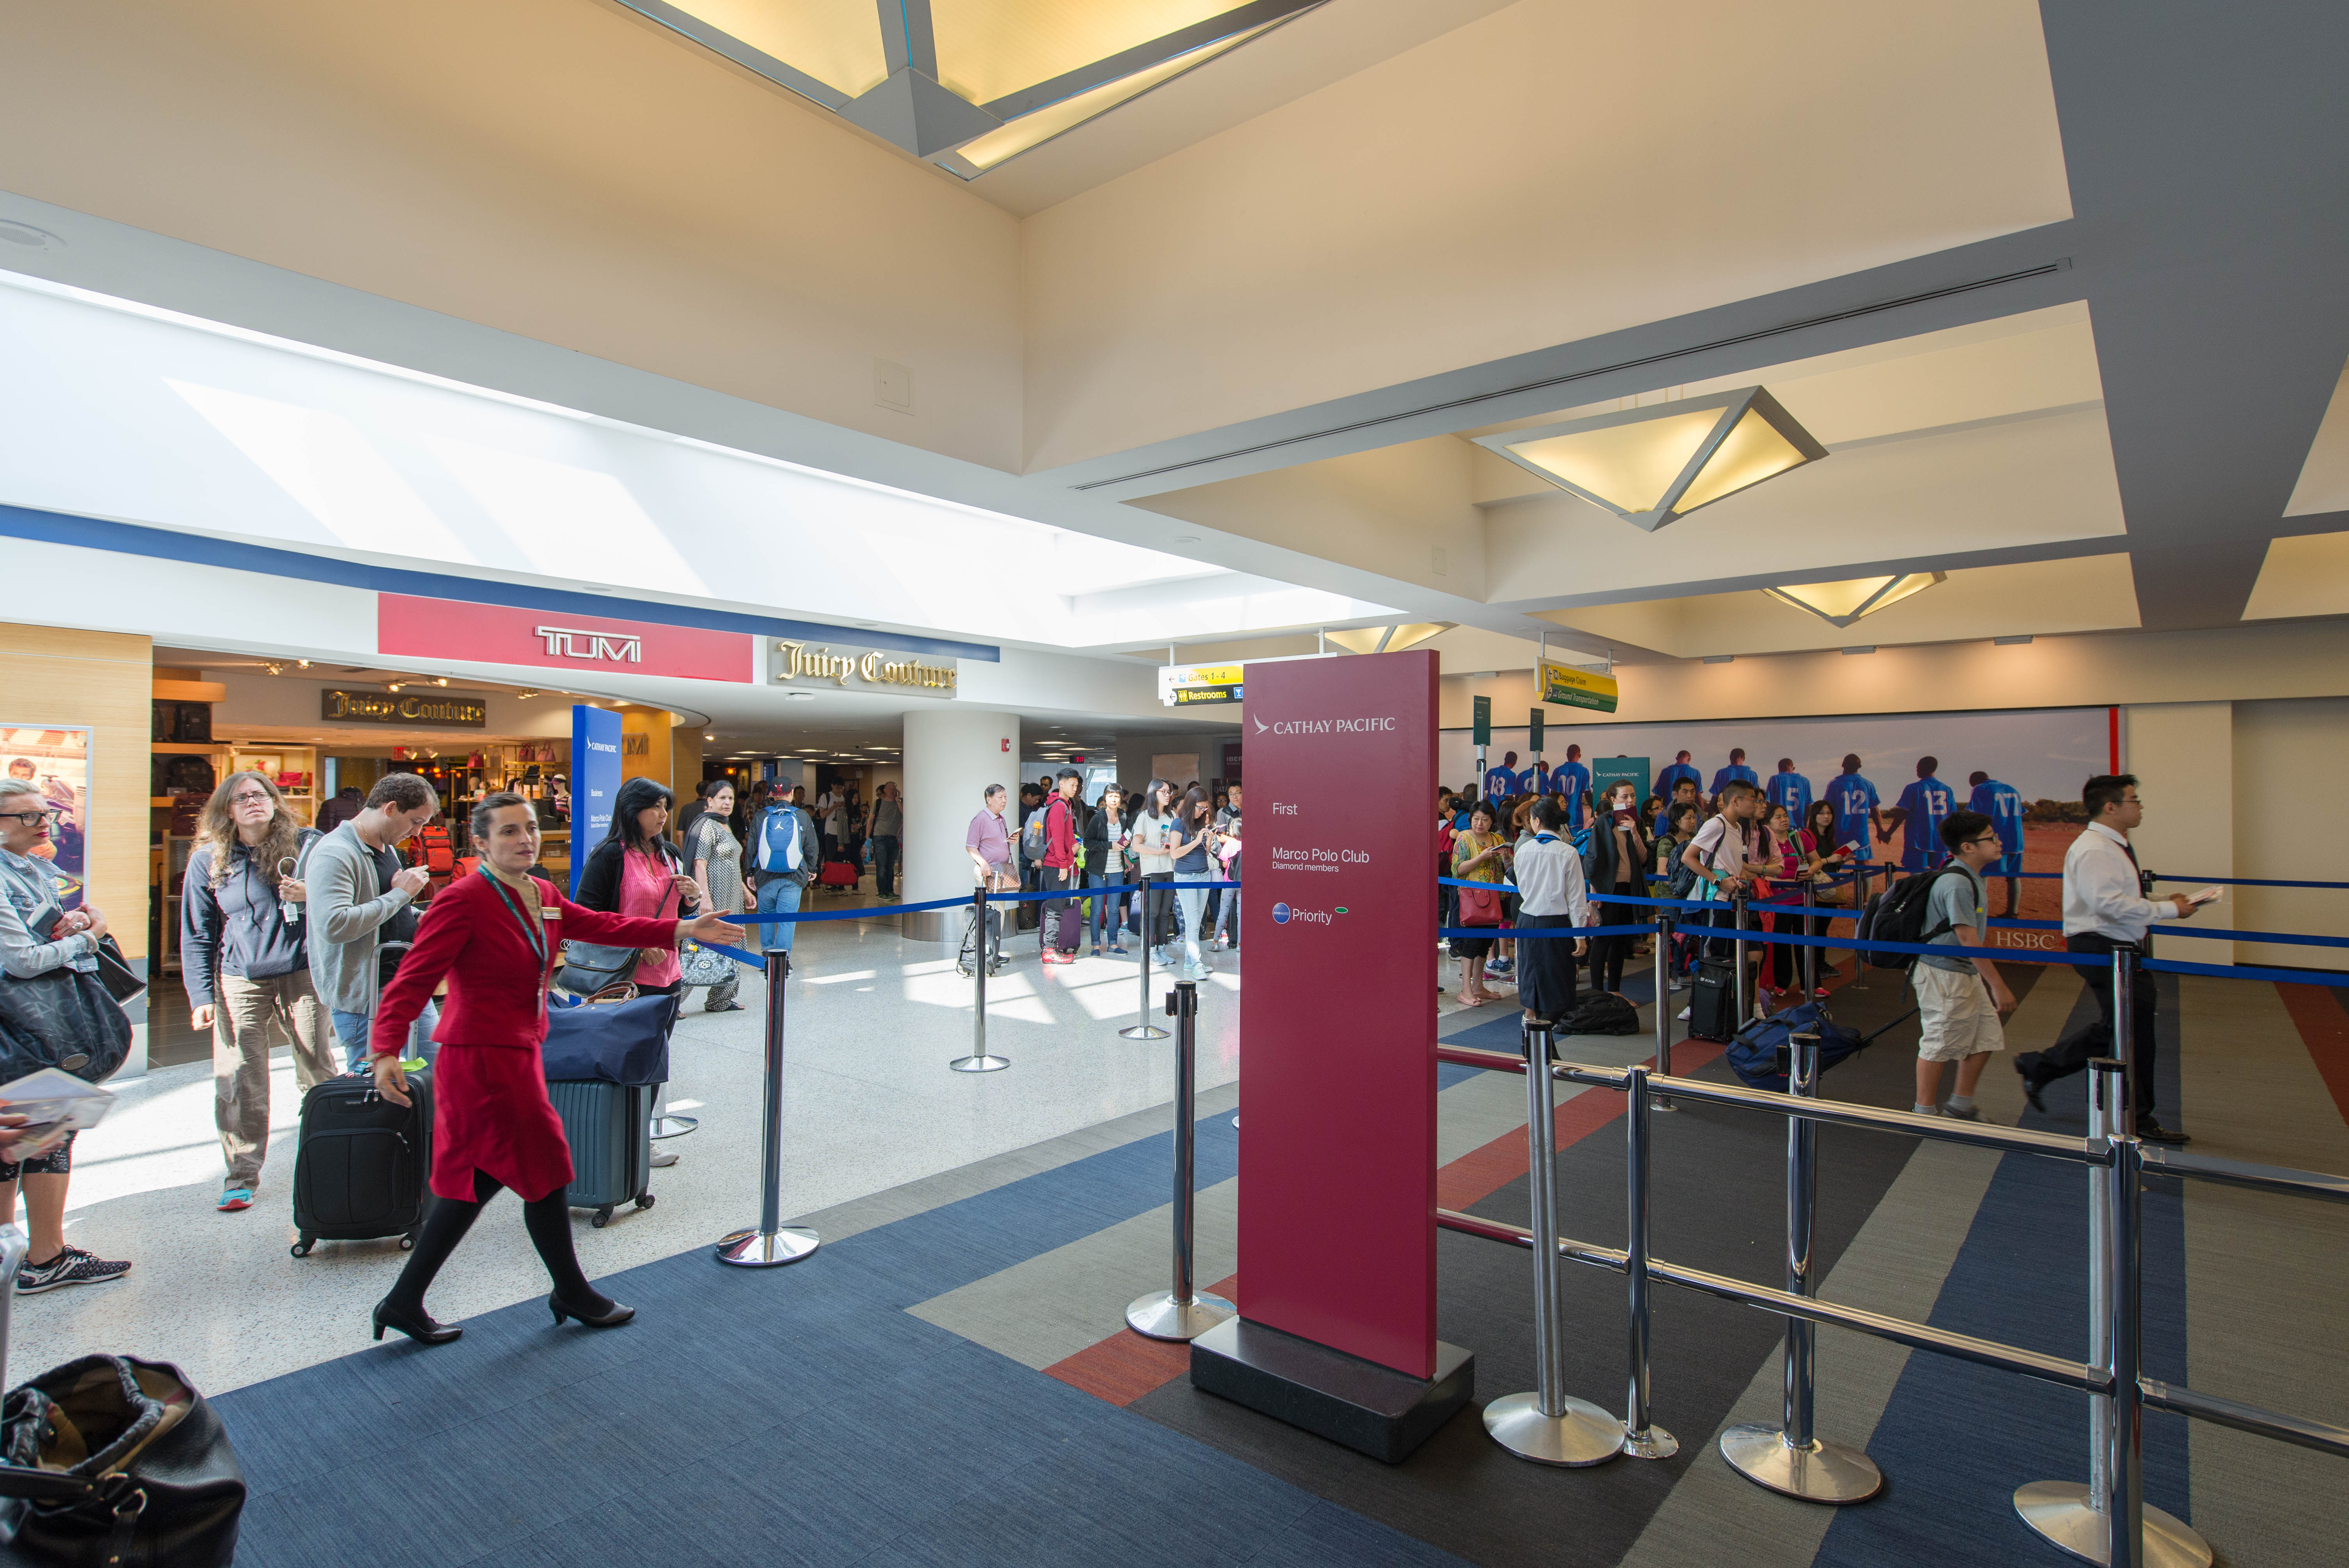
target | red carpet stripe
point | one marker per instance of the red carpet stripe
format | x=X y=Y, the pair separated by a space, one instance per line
x=2324 y=1029
x=1124 y=1366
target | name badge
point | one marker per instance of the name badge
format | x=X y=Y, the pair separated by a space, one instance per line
x=550 y=912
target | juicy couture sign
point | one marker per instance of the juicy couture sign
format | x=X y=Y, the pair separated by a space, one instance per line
x=803 y=664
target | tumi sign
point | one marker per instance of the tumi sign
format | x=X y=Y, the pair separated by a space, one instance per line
x=417 y=628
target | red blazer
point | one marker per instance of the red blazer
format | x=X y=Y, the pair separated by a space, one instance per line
x=497 y=991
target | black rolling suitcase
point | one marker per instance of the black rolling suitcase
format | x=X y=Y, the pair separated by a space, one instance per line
x=361 y=1163
x=1712 y=1001
x=609 y=1127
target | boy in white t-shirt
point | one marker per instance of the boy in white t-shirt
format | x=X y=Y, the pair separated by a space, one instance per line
x=1718 y=857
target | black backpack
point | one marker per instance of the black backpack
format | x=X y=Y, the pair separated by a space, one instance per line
x=1600 y=1013
x=1898 y=914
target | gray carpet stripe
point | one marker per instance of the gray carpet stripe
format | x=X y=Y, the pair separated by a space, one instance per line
x=1897 y=1263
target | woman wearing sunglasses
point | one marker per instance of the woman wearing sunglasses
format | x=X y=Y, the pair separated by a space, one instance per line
x=37 y=935
x=246 y=971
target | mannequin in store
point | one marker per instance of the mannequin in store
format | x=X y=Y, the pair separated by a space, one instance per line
x=495 y=937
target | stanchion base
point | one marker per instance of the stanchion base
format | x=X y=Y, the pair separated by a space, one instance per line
x=1583 y=1435
x=979 y=1064
x=1823 y=1472
x=674 y=1126
x=755 y=1249
x=1655 y=1443
x=1141 y=1032
x=2059 y=1511
x=1159 y=1315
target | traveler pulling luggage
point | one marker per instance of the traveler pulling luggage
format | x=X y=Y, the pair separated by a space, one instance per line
x=838 y=874
x=361 y=1162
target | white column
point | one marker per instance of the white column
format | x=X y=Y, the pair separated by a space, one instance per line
x=952 y=755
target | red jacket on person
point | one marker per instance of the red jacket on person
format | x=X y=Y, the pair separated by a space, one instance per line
x=1059 y=833
x=491 y=1111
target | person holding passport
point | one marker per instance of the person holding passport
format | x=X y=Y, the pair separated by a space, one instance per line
x=2105 y=906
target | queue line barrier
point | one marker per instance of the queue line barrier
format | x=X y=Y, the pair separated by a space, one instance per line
x=2108 y=1520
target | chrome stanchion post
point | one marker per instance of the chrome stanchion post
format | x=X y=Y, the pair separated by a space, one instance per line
x=1858 y=905
x=1546 y=1426
x=2124 y=1314
x=773 y=1242
x=13 y=1245
x=979 y=1061
x=1182 y=1313
x=1790 y=1458
x=1642 y=1438
x=1664 y=1069
x=1737 y=951
x=2071 y=1516
x=1142 y=1029
x=2124 y=1044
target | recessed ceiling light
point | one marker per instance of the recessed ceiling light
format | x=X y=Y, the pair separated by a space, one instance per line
x=1720 y=659
x=1869 y=649
x=14 y=233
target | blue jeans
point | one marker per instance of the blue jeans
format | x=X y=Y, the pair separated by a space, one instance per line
x=1109 y=906
x=1227 y=903
x=778 y=895
x=351 y=1029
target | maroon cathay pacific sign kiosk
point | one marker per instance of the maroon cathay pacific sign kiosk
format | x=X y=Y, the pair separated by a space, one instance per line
x=1337 y=1174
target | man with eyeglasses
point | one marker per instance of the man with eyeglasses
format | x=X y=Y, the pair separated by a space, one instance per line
x=1960 y=999
x=2103 y=906
x=360 y=900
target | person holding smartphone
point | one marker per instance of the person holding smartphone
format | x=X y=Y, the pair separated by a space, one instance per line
x=1109 y=860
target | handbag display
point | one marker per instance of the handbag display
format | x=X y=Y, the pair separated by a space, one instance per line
x=117 y=1460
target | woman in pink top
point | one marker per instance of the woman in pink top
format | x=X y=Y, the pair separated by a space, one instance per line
x=636 y=872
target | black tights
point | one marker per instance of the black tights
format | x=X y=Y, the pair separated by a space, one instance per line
x=548 y=1219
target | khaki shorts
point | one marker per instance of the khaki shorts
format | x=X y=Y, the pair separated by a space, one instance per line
x=1956 y=1014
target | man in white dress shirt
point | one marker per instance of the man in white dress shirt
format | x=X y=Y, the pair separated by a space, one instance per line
x=2103 y=906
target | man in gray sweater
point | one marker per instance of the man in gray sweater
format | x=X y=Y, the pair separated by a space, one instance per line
x=357 y=895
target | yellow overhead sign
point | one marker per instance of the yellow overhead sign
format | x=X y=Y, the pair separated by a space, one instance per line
x=1183 y=686
x=1571 y=687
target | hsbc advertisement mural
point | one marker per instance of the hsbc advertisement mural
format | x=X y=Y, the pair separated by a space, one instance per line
x=1337 y=1192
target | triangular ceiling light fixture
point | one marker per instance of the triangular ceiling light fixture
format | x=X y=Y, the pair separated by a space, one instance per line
x=1842 y=604
x=1651 y=466
x=1386 y=639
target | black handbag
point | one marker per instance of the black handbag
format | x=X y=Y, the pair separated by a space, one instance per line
x=588 y=967
x=65 y=1018
x=113 y=1460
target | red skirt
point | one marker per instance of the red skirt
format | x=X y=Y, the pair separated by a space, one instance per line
x=491 y=1113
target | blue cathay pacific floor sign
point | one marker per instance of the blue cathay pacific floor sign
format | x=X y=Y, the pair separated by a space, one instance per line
x=594 y=780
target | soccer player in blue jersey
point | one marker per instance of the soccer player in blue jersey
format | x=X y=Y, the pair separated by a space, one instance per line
x=1501 y=782
x=1790 y=790
x=2002 y=804
x=1855 y=803
x=1571 y=779
x=1670 y=777
x=1926 y=805
x=1735 y=773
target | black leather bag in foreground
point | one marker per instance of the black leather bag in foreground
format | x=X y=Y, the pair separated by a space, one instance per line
x=64 y=1019
x=111 y=1461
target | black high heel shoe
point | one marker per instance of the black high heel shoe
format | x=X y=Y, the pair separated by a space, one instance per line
x=613 y=1319
x=419 y=1326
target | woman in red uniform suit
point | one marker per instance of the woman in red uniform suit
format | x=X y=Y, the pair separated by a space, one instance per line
x=496 y=938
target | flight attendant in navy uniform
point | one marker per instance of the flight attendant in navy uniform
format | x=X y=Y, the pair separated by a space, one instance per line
x=496 y=938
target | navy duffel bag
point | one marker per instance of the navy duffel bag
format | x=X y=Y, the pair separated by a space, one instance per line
x=626 y=1043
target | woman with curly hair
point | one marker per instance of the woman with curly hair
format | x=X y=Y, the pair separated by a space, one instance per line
x=246 y=971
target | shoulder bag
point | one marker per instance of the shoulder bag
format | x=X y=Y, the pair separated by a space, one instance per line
x=65 y=1018
x=1480 y=904
x=117 y=1460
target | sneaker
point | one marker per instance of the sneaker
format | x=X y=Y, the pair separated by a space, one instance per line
x=1818 y=990
x=1972 y=1113
x=1684 y=1014
x=234 y=1199
x=71 y=1266
x=1220 y=942
x=1677 y=984
x=1830 y=972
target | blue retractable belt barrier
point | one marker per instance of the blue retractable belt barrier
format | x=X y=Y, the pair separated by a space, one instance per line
x=2247 y=882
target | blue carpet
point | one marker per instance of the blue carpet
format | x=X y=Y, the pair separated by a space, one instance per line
x=1957 y=1439
x=799 y=1417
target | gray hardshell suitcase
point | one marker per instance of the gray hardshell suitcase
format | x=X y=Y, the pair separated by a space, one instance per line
x=610 y=1131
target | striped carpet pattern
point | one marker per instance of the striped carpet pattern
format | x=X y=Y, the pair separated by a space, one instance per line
x=948 y=1380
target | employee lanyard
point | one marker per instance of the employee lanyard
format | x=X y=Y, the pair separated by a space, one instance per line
x=530 y=928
